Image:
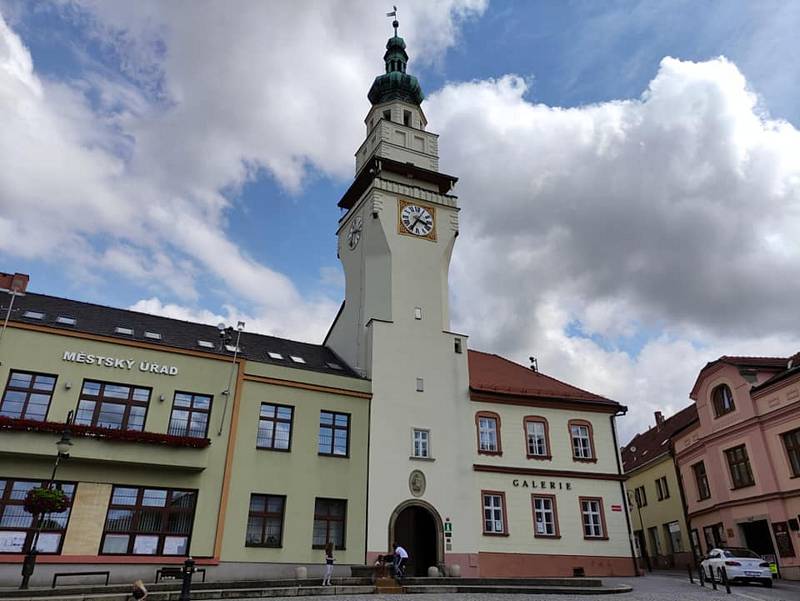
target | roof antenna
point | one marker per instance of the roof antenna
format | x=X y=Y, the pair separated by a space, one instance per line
x=534 y=364
x=395 y=24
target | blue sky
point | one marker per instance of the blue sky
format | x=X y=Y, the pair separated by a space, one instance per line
x=591 y=168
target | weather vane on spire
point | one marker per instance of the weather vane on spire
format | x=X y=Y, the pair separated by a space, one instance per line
x=395 y=23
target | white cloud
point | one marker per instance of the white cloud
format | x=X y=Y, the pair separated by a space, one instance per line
x=673 y=216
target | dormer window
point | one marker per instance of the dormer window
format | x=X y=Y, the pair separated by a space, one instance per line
x=34 y=315
x=152 y=335
x=722 y=400
x=125 y=331
x=66 y=321
x=205 y=344
x=297 y=359
x=274 y=355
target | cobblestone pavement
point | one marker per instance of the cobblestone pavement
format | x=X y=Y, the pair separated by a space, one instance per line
x=660 y=587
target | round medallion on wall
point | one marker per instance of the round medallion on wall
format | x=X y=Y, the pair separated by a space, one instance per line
x=416 y=483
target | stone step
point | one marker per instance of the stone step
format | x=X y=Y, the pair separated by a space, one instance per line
x=574 y=582
x=507 y=589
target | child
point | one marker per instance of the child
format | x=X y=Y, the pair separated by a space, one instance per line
x=326 y=581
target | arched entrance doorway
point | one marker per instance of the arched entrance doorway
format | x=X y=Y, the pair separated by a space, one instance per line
x=417 y=527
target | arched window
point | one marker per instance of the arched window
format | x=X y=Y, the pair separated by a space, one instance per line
x=722 y=399
x=582 y=438
x=537 y=437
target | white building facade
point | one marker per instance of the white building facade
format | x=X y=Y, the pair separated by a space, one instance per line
x=474 y=460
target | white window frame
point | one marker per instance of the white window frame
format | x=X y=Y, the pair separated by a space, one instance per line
x=493 y=505
x=540 y=508
x=539 y=438
x=591 y=516
x=426 y=443
x=583 y=450
x=487 y=435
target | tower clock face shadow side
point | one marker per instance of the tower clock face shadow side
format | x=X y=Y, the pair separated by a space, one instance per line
x=416 y=219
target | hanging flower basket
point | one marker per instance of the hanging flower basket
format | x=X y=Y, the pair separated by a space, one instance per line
x=45 y=500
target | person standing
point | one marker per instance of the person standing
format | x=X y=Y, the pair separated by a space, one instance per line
x=400 y=561
x=326 y=581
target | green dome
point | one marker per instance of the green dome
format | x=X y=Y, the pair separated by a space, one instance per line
x=395 y=84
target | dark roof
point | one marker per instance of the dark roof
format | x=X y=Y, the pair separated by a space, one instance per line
x=497 y=375
x=792 y=365
x=775 y=364
x=175 y=333
x=655 y=442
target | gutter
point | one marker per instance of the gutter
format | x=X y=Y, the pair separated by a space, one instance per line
x=611 y=418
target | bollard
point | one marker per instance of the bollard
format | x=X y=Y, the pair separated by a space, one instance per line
x=713 y=579
x=186 y=583
x=702 y=576
x=725 y=581
x=691 y=577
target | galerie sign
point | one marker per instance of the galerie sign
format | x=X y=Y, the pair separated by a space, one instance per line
x=114 y=362
x=541 y=484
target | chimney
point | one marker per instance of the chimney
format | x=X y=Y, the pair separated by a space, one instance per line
x=659 y=418
x=17 y=282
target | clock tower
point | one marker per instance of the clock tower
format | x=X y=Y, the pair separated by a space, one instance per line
x=395 y=241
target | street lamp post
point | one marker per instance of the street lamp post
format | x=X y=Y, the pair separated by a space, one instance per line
x=62 y=448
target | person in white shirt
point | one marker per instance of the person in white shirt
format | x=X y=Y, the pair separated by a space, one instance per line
x=400 y=561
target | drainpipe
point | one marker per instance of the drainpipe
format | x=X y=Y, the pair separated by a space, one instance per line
x=684 y=506
x=622 y=488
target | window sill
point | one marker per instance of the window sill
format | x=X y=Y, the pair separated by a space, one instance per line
x=553 y=536
x=743 y=486
x=585 y=459
x=541 y=457
x=289 y=450
x=322 y=548
x=264 y=546
x=494 y=453
x=414 y=458
x=495 y=533
x=595 y=538
x=703 y=499
x=333 y=455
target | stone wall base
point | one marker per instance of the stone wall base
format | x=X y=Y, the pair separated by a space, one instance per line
x=515 y=565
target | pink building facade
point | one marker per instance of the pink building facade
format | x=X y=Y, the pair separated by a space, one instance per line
x=740 y=462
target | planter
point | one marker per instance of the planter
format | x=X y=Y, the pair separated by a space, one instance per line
x=45 y=500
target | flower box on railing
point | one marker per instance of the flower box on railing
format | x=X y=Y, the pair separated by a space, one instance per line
x=170 y=440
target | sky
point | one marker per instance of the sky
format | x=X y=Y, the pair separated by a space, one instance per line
x=629 y=171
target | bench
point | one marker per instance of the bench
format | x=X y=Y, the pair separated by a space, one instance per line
x=64 y=574
x=176 y=572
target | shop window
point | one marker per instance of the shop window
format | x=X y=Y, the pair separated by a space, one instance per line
x=148 y=521
x=545 y=516
x=494 y=513
x=114 y=406
x=27 y=395
x=329 y=522
x=662 y=490
x=190 y=413
x=592 y=517
x=275 y=427
x=334 y=434
x=722 y=400
x=17 y=526
x=537 y=437
x=265 y=521
x=739 y=466
x=582 y=440
x=701 y=479
x=791 y=440
x=488 y=426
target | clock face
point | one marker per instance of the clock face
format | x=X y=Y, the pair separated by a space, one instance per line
x=417 y=220
x=354 y=233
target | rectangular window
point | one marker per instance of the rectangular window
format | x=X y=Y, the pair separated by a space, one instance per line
x=487 y=434
x=27 y=395
x=494 y=512
x=545 y=518
x=275 y=427
x=701 y=479
x=421 y=443
x=115 y=406
x=334 y=433
x=148 y=521
x=641 y=496
x=581 y=442
x=673 y=531
x=190 y=413
x=791 y=440
x=265 y=521
x=662 y=490
x=536 y=436
x=329 y=522
x=592 y=517
x=739 y=465
x=17 y=526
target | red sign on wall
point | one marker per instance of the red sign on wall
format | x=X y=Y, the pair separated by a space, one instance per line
x=616 y=508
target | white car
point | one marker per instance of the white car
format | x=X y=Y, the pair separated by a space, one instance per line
x=740 y=564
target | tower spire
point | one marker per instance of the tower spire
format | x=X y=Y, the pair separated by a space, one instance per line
x=395 y=23
x=395 y=83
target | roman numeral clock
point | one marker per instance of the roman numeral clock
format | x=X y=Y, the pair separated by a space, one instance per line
x=416 y=219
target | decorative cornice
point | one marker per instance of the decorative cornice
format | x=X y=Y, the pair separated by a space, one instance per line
x=482 y=396
x=551 y=473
